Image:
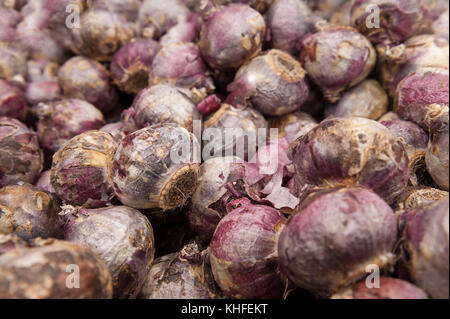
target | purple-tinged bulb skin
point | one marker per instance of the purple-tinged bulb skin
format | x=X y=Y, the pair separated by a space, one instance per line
x=21 y=158
x=231 y=35
x=181 y=64
x=260 y=5
x=437 y=157
x=399 y=20
x=61 y=120
x=368 y=99
x=337 y=58
x=417 y=197
x=288 y=21
x=423 y=97
x=243 y=270
x=426 y=247
x=44 y=181
x=130 y=65
x=41 y=71
x=29 y=212
x=246 y=122
x=85 y=79
x=127 y=243
x=101 y=34
x=208 y=203
x=156 y=17
x=127 y=8
x=80 y=170
x=325 y=8
x=343 y=15
x=209 y=105
x=334 y=236
x=41 y=45
x=182 y=32
x=156 y=167
x=182 y=275
x=46 y=278
x=418 y=52
x=292 y=126
x=162 y=103
x=440 y=27
x=389 y=288
x=273 y=83
x=13 y=64
x=12 y=101
x=413 y=138
x=116 y=130
x=42 y=91
x=352 y=151
x=9 y=19
x=389 y=116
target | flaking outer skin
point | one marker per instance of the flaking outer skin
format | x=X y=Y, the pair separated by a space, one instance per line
x=437 y=158
x=390 y=288
x=292 y=125
x=61 y=120
x=12 y=101
x=228 y=116
x=80 y=169
x=85 y=79
x=426 y=236
x=101 y=35
x=419 y=196
x=399 y=20
x=13 y=64
x=333 y=236
x=44 y=181
x=273 y=83
x=21 y=158
x=260 y=5
x=29 y=212
x=420 y=51
x=126 y=243
x=244 y=256
x=423 y=97
x=337 y=58
x=231 y=35
x=368 y=99
x=39 y=271
x=163 y=103
x=181 y=64
x=352 y=151
x=183 y=275
x=130 y=65
x=207 y=207
x=143 y=173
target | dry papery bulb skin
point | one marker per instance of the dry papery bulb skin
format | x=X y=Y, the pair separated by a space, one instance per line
x=440 y=27
x=246 y=120
x=261 y=5
x=51 y=259
x=287 y=22
x=13 y=64
x=130 y=65
x=389 y=288
x=389 y=116
x=399 y=20
x=352 y=152
x=342 y=15
x=12 y=101
x=228 y=48
x=243 y=270
x=9 y=18
x=181 y=64
x=21 y=158
x=334 y=235
x=413 y=138
x=85 y=79
x=208 y=203
x=425 y=246
x=274 y=83
x=293 y=125
x=183 y=275
x=42 y=91
x=416 y=53
x=418 y=196
x=41 y=71
x=437 y=157
x=116 y=129
x=29 y=212
x=423 y=97
x=127 y=8
x=148 y=170
x=346 y=59
x=44 y=181
x=186 y=31
x=101 y=34
x=368 y=99
x=162 y=103
x=156 y=17
x=127 y=243
x=61 y=120
x=81 y=167
x=325 y=8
